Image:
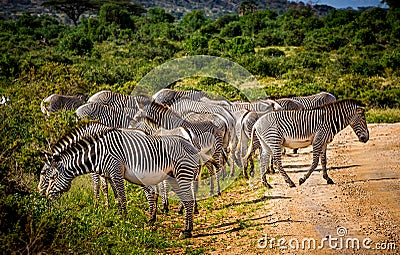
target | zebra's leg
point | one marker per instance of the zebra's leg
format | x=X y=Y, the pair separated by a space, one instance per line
x=195 y=188
x=151 y=197
x=316 y=154
x=118 y=182
x=264 y=157
x=324 y=170
x=96 y=188
x=164 y=196
x=252 y=165
x=104 y=189
x=276 y=158
x=211 y=172
x=184 y=192
x=114 y=190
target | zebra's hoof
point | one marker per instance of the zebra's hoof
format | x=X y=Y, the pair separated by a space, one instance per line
x=266 y=184
x=292 y=185
x=185 y=234
x=301 y=181
x=329 y=181
x=196 y=211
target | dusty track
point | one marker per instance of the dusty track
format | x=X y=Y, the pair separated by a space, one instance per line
x=365 y=201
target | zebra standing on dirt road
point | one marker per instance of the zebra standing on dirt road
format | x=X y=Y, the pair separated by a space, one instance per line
x=120 y=153
x=299 y=129
x=56 y=102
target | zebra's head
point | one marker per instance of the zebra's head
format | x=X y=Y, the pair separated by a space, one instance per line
x=52 y=180
x=359 y=124
x=44 y=178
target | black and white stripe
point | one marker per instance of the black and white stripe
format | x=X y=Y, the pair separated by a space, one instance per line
x=124 y=154
x=298 y=129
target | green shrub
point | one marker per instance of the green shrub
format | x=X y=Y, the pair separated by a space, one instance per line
x=77 y=43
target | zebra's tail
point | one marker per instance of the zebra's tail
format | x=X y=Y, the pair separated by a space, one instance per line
x=250 y=149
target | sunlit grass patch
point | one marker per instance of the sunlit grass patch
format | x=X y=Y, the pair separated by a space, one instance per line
x=387 y=115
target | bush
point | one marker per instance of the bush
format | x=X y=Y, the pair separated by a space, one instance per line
x=77 y=43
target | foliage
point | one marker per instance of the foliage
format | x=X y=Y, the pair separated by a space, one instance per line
x=348 y=53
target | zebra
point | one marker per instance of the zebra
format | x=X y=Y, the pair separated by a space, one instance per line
x=259 y=106
x=56 y=102
x=99 y=182
x=298 y=129
x=182 y=132
x=170 y=96
x=209 y=137
x=119 y=100
x=121 y=153
x=307 y=102
x=4 y=100
x=316 y=100
x=290 y=104
x=187 y=107
x=105 y=114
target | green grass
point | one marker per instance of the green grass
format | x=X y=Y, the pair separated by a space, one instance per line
x=383 y=115
x=71 y=224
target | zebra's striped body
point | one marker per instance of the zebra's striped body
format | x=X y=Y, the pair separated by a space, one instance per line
x=209 y=137
x=105 y=114
x=290 y=104
x=170 y=96
x=118 y=100
x=56 y=102
x=315 y=100
x=121 y=153
x=298 y=129
x=99 y=182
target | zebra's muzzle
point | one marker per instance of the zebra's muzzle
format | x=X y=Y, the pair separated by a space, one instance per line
x=363 y=138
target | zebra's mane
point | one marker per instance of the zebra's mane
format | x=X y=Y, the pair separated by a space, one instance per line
x=80 y=136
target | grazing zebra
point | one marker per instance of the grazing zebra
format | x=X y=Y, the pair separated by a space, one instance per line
x=121 y=153
x=99 y=182
x=56 y=102
x=209 y=137
x=298 y=129
x=118 y=100
x=170 y=96
x=105 y=114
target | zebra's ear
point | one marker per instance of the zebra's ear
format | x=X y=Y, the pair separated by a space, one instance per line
x=360 y=110
x=56 y=157
x=46 y=156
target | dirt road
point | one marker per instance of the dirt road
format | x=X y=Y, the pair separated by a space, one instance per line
x=360 y=214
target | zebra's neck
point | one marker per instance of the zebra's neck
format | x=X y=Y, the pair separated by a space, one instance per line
x=338 y=115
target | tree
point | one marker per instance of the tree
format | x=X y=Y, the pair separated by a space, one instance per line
x=393 y=4
x=247 y=7
x=72 y=8
x=159 y=15
x=193 y=20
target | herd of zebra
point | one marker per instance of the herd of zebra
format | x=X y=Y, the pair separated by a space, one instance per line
x=164 y=140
